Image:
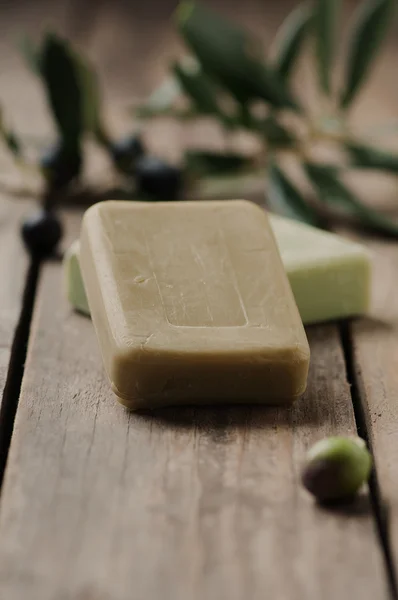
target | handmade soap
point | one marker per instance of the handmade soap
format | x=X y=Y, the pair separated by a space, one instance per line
x=329 y=275
x=75 y=291
x=191 y=304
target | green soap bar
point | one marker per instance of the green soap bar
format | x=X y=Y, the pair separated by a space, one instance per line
x=330 y=276
x=73 y=279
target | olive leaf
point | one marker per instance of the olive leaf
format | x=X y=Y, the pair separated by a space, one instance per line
x=62 y=82
x=290 y=39
x=31 y=54
x=208 y=163
x=326 y=14
x=370 y=24
x=161 y=101
x=91 y=98
x=198 y=88
x=13 y=143
x=284 y=198
x=229 y=185
x=367 y=157
x=230 y=57
x=276 y=134
x=332 y=191
x=268 y=128
x=10 y=138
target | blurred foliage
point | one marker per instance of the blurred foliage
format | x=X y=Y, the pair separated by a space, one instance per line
x=227 y=78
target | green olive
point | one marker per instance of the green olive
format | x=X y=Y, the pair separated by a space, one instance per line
x=336 y=468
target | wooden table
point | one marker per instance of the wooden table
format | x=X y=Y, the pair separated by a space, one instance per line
x=101 y=504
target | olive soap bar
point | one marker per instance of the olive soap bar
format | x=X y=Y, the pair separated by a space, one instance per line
x=191 y=304
x=329 y=275
x=73 y=279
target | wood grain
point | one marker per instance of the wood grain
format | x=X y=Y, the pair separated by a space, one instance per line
x=375 y=353
x=13 y=266
x=103 y=504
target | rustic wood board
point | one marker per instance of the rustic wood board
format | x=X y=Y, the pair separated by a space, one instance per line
x=103 y=504
x=375 y=353
x=13 y=267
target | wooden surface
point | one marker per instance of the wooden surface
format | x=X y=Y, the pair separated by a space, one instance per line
x=179 y=504
x=14 y=317
x=101 y=504
x=13 y=266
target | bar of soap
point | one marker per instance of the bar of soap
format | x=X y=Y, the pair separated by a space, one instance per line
x=191 y=304
x=75 y=291
x=329 y=275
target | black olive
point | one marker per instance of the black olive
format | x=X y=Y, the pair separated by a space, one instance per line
x=157 y=179
x=126 y=151
x=41 y=233
x=61 y=165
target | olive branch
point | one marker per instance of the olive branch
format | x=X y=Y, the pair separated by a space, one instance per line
x=227 y=78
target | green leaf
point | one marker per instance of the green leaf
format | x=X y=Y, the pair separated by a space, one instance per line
x=10 y=139
x=268 y=128
x=284 y=198
x=367 y=157
x=161 y=101
x=370 y=24
x=332 y=191
x=207 y=163
x=64 y=94
x=276 y=134
x=13 y=143
x=91 y=97
x=228 y=185
x=198 y=88
x=326 y=14
x=31 y=54
x=290 y=39
x=230 y=57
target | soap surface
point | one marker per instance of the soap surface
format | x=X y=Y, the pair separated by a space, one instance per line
x=329 y=275
x=191 y=303
x=74 y=285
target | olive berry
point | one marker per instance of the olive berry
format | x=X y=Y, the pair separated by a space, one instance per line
x=157 y=179
x=126 y=151
x=41 y=233
x=336 y=468
x=61 y=165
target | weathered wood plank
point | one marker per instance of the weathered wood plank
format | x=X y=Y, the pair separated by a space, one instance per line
x=14 y=275
x=103 y=504
x=375 y=352
x=13 y=266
